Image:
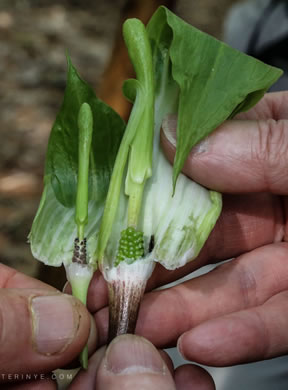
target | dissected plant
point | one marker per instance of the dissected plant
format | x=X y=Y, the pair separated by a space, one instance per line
x=111 y=200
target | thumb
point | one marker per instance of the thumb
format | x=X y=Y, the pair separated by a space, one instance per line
x=240 y=156
x=132 y=362
x=39 y=330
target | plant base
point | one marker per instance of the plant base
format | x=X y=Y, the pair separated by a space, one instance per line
x=126 y=286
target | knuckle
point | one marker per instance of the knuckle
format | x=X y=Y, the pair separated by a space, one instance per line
x=247 y=285
x=272 y=151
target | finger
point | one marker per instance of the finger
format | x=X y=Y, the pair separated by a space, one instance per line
x=250 y=335
x=86 y=379
x=246 y=222
x=242 y=283
x=11 y=278
x=92 y=344
x=273 y=105
x=40 y=330
x=168 y=361
x=240 y=156
x=190 y=376
x=131 y=362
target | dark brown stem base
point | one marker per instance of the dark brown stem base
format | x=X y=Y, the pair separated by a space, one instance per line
x=124 y=301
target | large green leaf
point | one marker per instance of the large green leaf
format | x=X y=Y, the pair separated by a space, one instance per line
x=215 y=81
x=54 y=228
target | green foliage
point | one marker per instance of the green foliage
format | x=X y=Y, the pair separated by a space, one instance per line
x=214 y=81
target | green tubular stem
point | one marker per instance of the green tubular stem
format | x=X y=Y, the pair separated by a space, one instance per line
x=83 y=357
x=137 y=144
x=113 y=195
x=134 y=204
x=79 y=290
x=85 y=124
x=79 y=276
x=81 y=232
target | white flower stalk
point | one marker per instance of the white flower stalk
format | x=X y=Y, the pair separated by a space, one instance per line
x=79 y=276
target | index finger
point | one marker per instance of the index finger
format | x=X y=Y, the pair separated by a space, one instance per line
x=11 y=278
x=241 y=155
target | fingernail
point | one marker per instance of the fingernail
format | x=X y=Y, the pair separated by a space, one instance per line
x=67 y=288
x=55 y=322
x=201 y=147
x=129 y=354
x=169 y=127
x=179 y=347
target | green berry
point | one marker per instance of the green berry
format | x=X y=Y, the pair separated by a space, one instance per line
x=131 y=245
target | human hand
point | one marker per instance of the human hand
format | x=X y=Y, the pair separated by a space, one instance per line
x=236 y=313
x=132 y=362
x=41 y=329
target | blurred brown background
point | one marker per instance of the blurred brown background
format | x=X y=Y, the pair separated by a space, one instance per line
x=34 y=35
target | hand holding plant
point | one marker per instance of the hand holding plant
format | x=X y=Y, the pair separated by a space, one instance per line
x=41 y=330
x=108 y=200
x=238 y=312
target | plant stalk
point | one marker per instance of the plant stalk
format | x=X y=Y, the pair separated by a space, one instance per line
x=124 y=303
x=126 y=286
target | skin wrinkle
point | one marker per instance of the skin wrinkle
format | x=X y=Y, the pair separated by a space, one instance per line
x=273 y=104
x=271 y=149
x=247 y=285
x=251 y=287
x=244 y=280
x=278 y=106
x=265 y=334
x=257 y=328
x=9 y=277
x=12 y=279
x=178 y=300
x=244 y=327
x=278 y=340
x=183 y=302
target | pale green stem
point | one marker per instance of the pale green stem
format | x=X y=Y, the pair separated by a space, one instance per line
x=137 y=143
x=134 y=205
x=79 y=283
x=85 y=124
x=79 y=276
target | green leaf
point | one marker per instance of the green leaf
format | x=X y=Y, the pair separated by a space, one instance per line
x=54 y=228
x=215 y=81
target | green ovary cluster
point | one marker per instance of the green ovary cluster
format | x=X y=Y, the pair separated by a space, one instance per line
x=131 y=246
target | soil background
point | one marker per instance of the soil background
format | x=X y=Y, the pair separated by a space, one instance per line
x=34 y=36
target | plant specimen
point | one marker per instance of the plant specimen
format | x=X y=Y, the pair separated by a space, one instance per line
x=111 y=200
